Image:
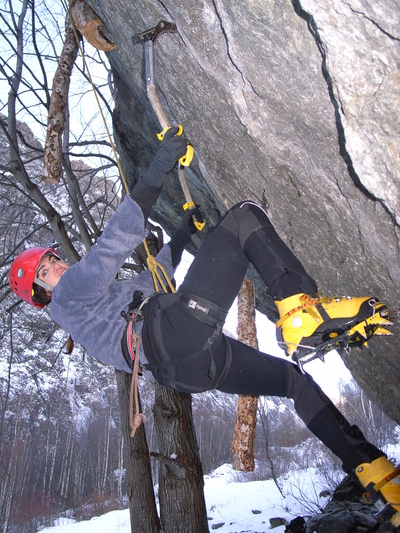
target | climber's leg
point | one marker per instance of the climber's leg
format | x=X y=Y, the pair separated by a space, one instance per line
x=257 y=374
x=371 y=466
x=305 y=319
x=244 y=234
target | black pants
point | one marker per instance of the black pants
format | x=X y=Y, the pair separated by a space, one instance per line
x=244 y=235
x=178 y=330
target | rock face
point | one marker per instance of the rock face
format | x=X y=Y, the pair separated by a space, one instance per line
x=293 y=104
x=347 y=512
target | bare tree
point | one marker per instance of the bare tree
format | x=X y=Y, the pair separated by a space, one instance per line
x=182 y=504
x=372 y=421
x=144 y=517
x=68 y=215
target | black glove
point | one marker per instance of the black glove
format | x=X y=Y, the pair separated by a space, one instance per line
x=181 y=237
x=149 y=187
x=172 y=149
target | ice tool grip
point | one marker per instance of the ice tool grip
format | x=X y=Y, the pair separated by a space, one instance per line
x=186 y=159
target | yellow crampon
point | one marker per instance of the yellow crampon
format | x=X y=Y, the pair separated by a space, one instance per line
x=311 y=321
x=382 y=483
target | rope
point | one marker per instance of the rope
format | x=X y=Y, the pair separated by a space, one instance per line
x=153 y=266
x=135 y=419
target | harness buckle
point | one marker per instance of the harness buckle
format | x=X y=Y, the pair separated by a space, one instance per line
x=132 y=316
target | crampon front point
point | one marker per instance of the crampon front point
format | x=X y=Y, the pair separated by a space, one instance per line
x=320 y=324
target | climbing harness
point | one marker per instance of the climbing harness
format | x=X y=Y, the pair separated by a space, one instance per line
x=148 y=39
x=163 y=367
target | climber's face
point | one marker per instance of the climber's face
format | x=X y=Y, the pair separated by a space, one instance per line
x=51 y=269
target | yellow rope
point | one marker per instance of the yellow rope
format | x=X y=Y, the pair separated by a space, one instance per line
x=154 y=266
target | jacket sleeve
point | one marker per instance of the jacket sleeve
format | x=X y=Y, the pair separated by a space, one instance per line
x=91 y=278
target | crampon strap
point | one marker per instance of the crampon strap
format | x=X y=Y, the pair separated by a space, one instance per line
x=308 y=304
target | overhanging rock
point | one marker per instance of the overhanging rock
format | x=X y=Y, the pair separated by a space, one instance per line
x=291 y=104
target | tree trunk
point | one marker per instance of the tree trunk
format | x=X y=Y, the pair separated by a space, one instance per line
x=181 y=494
x=246 y=415
x=142 y=504
x=52 y=161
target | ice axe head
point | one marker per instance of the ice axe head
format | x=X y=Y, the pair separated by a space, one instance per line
x=153 y=34
x=148 y=38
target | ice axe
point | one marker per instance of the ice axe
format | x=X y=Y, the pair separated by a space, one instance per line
x=148 y=39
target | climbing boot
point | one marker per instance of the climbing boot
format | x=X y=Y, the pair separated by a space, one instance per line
x=310 y=323
x=382 y=483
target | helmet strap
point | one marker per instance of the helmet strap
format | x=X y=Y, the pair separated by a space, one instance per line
x=43 y=284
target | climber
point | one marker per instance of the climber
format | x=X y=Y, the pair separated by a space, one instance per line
x=182 y=340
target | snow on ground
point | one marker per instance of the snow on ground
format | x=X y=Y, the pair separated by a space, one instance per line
x=241 y=507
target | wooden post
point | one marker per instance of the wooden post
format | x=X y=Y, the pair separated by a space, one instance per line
x=246 y=415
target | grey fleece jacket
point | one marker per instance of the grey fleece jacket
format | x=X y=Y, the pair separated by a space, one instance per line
x=88 y=300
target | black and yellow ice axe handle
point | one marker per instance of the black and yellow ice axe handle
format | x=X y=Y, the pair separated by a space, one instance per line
x=148 y=38
x=186 y=159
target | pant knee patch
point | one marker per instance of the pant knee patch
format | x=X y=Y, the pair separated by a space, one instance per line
x=244 y=219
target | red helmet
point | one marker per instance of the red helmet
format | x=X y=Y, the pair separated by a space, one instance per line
x=23 y=271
